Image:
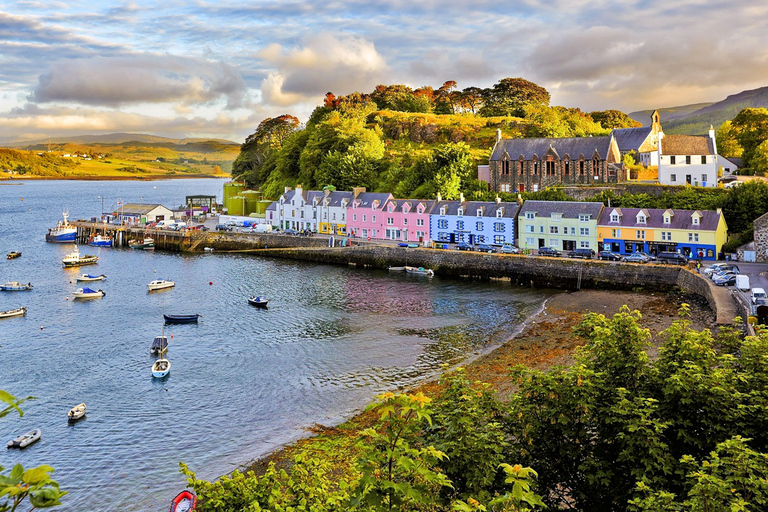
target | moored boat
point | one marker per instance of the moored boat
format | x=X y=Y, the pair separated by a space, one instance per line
x=87 y=293
x=146 y=244
x=100 y=241
x=160 y=284
x=421 y=271
x=25 y=440
x=159 y=345
x=185 y=501
x=13 y=312
x=63 y=232
x=74 y=259
x=181 y=319
x=76 y=413
x=15 y=286
x=13 y=254
x=258 y=301
x=161 y=368
x=90 y=277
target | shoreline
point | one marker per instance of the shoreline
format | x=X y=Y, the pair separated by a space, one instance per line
x=8 y=180
x=544 y=340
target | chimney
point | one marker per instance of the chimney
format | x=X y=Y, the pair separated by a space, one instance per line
x=287 y=189
x=298 y=188
x=498 y=135
x=498 y=200
x=461 y=197
x=356 y=191
x=519 y=199
x=720 y=211
x=714 y=142
x=439 y=197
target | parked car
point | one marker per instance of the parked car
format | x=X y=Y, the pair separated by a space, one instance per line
x=636 y=257
x=726 y=280
x=582 y=253
x=759 y=296
x=721 y=267
x=672 y=257
x=289 y=231
x=609 y=256
x=548 y=251
x=485 y=248
x=724 y=272
x=650 y=257
x=463 y=246
x=509 y=249
x=223 y=227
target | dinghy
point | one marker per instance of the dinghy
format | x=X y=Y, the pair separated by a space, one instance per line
x=159 y=345
x=160 y=284
x=181 y=319
x=13 y=255
x=161 y=368
x=87 y=293
x=25 y=440
x=259 y=302
x=76 y=413
x=13 y=312
x=89 y=277
x=185 y=501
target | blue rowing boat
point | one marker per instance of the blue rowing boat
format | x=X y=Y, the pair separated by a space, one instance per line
x=181 y=319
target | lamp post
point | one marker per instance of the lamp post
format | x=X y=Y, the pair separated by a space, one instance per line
x=102 y=204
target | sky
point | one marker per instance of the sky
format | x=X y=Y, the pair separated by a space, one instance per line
x=217 y=69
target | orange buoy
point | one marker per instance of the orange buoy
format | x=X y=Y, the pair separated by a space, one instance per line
x=210 y=282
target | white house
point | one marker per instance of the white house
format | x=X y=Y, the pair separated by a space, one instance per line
x=136 y=213
x=297 y=209
x=688 y=160
x=727 y=164
x=644 y=141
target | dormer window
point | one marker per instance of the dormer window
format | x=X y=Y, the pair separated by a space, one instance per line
x=460 y=211
x=557 y=216
x=420 y=209
x=640 y=218
x=442 y=210
x=614 y=217
x=530 y=215
x=667 y=219
x=500 y=213
x=479 y=212
x=695 y=220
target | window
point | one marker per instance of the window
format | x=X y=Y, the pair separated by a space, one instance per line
x=498 y=239
x=535 y=187
x=364 y=216
x=584 y=244
x=529 y=228
x=688 y=160
x=500 y=213
x=535 y=168
x=584 y=231
x=583 y=217
x=703 y=178
x=693 y=237
x=479 y=212
x=365 y=232
x=373 y=233
x=529 y=240
x=640 y=234
x=405 y=221
x=498 y=227
x=420 y=234
x=556 y=216
x=354 y=217
x=550 y=168
x=460 y=225
x=419 y=222
x=553 y=230
x=554 y=243
x=505 y=187
x=522 y=167
x=373 y=219
x=616 y=233
x=567 y=168
x=505 y=167
x=666 y=236
x=390 y=221
x=442 y=224
x=530 y=215
x=673 y=177
x=667 y=219
x=640 y=218
x=479 y=226
x=614 y=217
x=541 y=229
x=672 y=160
x=343 y=215
x=581 y=167
x=325 y=215
x=442 y=210
x=703 y=159
x=334 y=216
x=442 y=237
x=460 y=211
x=695 y=221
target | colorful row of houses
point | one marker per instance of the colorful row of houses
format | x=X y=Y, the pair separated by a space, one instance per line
x=561 y=225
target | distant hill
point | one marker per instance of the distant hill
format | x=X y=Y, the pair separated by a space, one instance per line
x=114 y=138
x=697 y=118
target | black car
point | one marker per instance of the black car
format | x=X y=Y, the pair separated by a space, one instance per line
x=463 y=246
x=609 y=256
x=485 y=248
x=672 y=257
x=582 y=253
x=548 y=251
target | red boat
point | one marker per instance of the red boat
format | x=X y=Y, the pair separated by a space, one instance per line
x=183 y=502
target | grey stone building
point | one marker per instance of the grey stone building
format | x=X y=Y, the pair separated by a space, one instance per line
x=761 y=238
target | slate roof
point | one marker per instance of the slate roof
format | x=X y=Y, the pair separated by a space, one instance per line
x=336 y=197
x=471 y=207
x=655 y=219
x=366 y=199
x=630 y=139
x=307 y=195
x=428 y=203
x=686 y=145
x=272 y=206
x=571 y=146
x=569 y=209
x=736 y=160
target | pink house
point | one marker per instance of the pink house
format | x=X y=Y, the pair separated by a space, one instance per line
x=365 y=214
x=407 y=220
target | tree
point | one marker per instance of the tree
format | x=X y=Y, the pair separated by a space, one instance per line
x=614 y=119
x=727 y=144
x=750 y=127
x=470 y=99
x=759 y=162
x=510 y=96
x=269 y=136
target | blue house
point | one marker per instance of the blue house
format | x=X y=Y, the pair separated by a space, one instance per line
x=473 y=222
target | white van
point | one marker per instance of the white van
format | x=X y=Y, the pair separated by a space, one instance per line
x=758 y=296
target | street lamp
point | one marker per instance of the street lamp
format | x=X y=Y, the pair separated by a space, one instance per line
x=102 y=204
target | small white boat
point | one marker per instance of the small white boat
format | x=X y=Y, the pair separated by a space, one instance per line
x=15 y=286
x=161 y=368
x=258 y=301
x=396 y=269
x=74 y=259
x=13 y=312
x=89 y=277
x=160 y=284
x=25 y=440
x=421 y=271
x=87 y=293
x=76 y=413
x=100 y=241
x=208 y=249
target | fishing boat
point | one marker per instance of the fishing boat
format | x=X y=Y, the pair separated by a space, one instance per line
x=74 y=259
x=185 y=501
x=159 y=345
x=63 y=232
x=25 y=440
x=87 y=293
x=181 y=319
x=160 y=284
x=91 y=277
x=13 y=312
x=258 y=301
x=147 y=244
x=76 y=413
x=13 y=255
x=100 y=241
x=15 y=286
x=420 y=271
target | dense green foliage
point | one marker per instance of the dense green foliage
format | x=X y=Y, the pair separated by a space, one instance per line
x=616 y=431
x=614 y=119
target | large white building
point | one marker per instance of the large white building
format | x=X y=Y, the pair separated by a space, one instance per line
x=318 y=211
x=688 y=160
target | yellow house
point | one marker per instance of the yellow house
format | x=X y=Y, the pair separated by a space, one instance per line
x=695 y=234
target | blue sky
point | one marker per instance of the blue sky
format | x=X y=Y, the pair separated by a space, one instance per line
x=216 y=69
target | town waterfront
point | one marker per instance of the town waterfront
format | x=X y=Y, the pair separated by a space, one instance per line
x=243 y=381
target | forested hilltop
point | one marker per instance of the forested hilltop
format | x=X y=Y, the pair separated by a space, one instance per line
x=411 y=142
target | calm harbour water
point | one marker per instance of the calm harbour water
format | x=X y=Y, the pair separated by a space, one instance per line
x=243 y=381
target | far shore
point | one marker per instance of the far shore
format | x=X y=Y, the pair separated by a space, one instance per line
x=155 y=177
x=545 y=341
